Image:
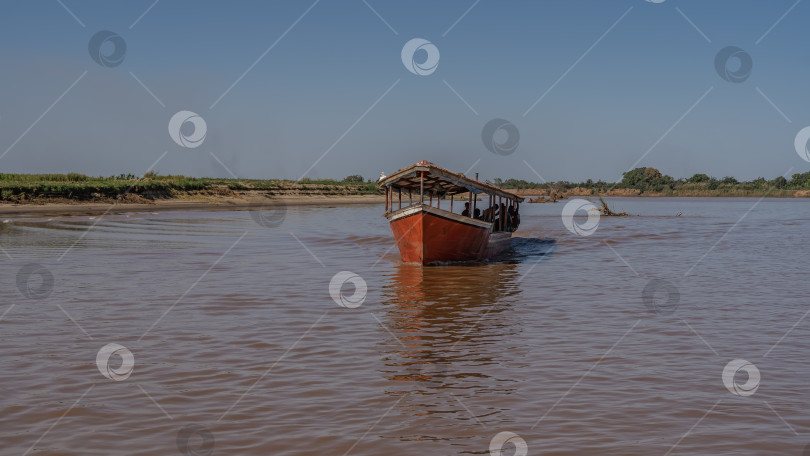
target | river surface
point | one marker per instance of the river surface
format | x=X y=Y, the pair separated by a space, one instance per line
x=230 y=340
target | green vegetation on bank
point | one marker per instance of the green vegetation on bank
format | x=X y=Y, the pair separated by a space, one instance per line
x=74 y=186
x=651 y=181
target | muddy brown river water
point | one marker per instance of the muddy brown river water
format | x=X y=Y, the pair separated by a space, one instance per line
x=299 y=332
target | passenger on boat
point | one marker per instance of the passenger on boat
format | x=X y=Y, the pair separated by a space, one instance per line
x=487 y=215
x=466 y=211
x=515 y=218
x=477 y=214
x=510 y=219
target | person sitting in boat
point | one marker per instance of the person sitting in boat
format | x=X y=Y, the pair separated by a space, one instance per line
x=477 y=214
x=510 y=219
x=466 y=211
x=487 y=215
x=515 y=218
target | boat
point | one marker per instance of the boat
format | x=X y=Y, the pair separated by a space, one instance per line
x=428 y=234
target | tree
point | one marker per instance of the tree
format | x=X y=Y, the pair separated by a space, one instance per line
x=800 y=180
x=647 y=180
x=698 y=178
x=760 y=182
x=633 y=177
x=354 y=178
x=651 y=174
x=779 y=182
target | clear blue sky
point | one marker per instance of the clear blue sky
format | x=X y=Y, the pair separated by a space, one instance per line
x=607 y=101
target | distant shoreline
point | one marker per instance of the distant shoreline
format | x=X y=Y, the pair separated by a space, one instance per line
x=75 y=193
x=246 y=200
x=634 y=193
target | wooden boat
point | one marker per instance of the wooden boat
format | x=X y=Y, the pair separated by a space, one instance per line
x=429 y=234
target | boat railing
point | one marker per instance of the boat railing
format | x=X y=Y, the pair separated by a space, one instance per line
x=501 y=212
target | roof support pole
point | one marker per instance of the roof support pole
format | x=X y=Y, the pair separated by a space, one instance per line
x=489 y=216
x=471 y=204
x=422 y=187
x=400 y=197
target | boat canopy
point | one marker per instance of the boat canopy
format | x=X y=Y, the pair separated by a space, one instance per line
x=430 y=178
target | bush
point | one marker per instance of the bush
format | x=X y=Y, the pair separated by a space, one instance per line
x=76 y=177
x=354 y=178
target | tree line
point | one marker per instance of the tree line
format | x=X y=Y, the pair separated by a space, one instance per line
x=651 y=180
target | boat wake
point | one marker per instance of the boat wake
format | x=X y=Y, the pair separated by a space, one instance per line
x=521 y=250
x=526 y=250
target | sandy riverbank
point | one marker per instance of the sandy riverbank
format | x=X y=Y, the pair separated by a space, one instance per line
x=198 y=203
x=249 y=199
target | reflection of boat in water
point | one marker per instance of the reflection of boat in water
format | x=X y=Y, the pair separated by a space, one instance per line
x=428 y=234
x=455 y=333
x=447 y=319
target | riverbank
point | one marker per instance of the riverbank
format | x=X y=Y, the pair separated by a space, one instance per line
x=187 y=202
x=76 y=193
x=247 y=200
x=79 y=194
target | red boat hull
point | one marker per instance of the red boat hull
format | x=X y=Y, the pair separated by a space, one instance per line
x=428 y=235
